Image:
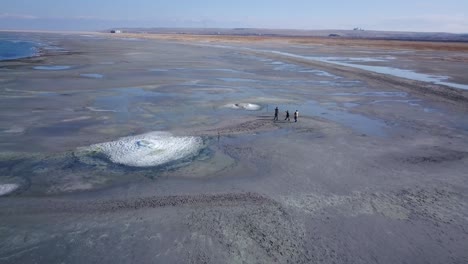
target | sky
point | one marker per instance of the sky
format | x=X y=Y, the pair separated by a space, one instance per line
x=90 y=15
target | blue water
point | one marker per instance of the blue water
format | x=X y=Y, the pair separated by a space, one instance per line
x=12 y=49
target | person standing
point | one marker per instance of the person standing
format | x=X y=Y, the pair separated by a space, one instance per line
x=296 y=115
x=287 y=115
x=276 y=114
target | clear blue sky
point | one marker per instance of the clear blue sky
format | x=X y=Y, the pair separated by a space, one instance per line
x=407 y=15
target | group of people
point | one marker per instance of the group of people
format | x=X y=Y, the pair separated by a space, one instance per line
x=296 y=115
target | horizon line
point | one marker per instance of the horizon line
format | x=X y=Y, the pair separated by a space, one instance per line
x=223 y=28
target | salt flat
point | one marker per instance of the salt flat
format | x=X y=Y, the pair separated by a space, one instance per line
x=164 y=149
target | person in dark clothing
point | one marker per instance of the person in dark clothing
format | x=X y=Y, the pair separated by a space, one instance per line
x=296 y=115
x=287 y=115
x=276 y=114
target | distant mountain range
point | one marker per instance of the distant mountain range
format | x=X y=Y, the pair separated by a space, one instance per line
x=354 y=34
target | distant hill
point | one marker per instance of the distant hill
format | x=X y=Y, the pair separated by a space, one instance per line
x=354 y=34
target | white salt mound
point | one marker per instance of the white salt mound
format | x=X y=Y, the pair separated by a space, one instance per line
x=245 y=106
x=7 y=188
x=150 y=149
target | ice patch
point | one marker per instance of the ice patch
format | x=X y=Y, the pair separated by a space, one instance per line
x=100 y=110
x=245 y=106
x=52 y=68
x=376 y=94
x=228 y=70
x=14 y=129
x=351 y=59
x=236 y=80
x=362 y=59
x=320 y=73
x=8 y=188
x=80 y=118
x=410 y=102
x=54 y=48
x=150 y=149
x=92 y=75
x=350 y=105
x=131 y=39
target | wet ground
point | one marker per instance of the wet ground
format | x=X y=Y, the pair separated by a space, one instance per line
x=373 y=171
